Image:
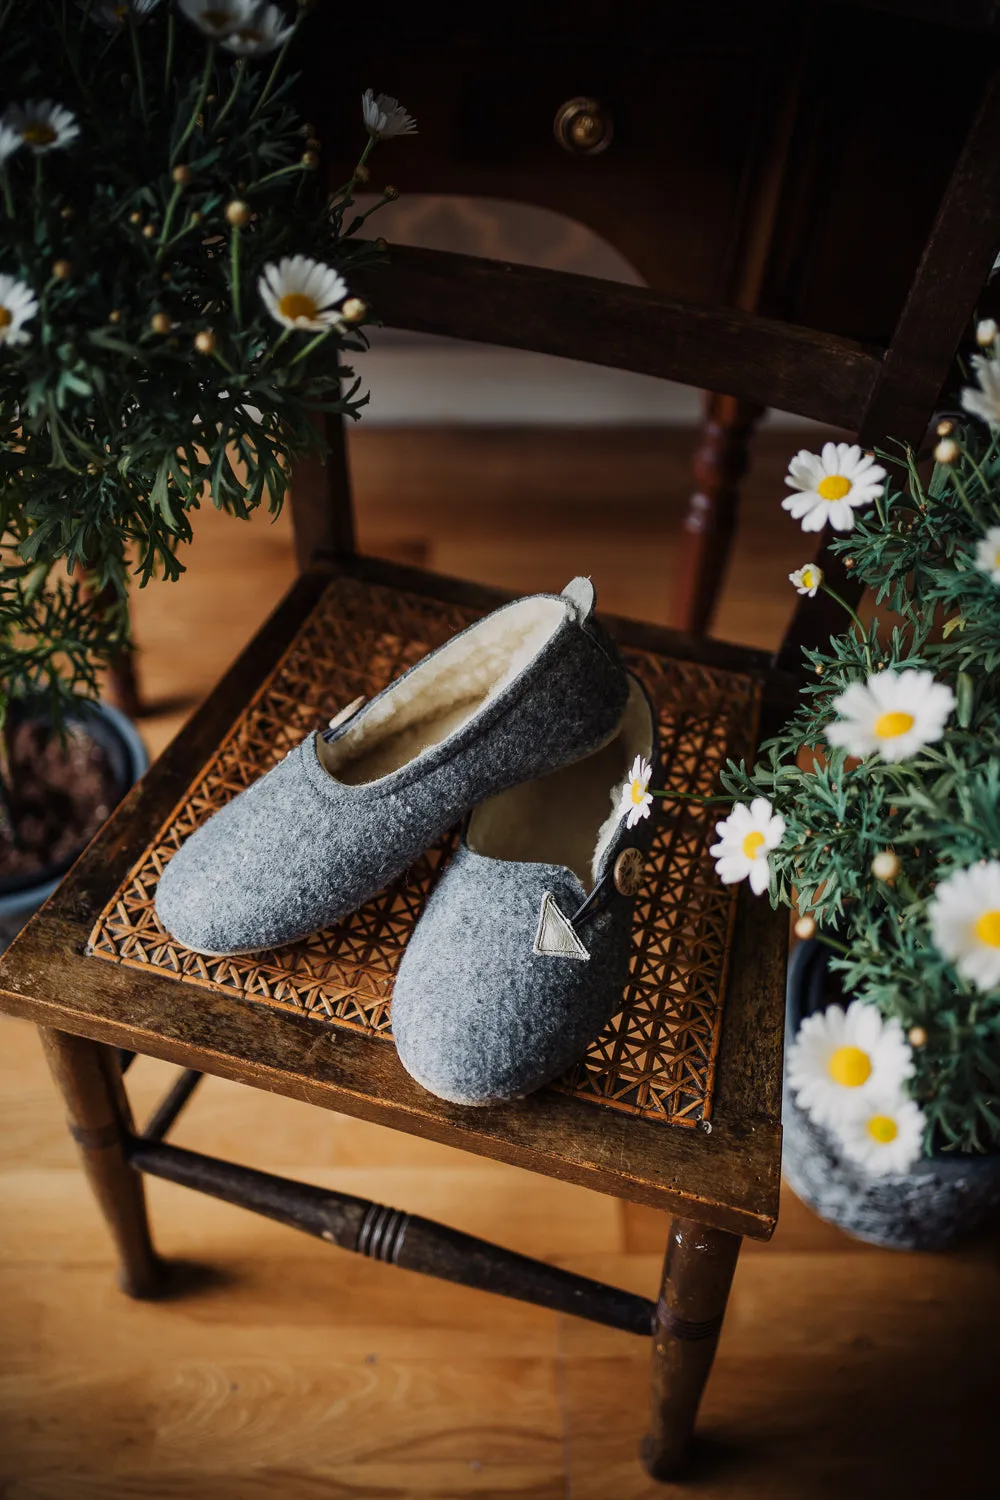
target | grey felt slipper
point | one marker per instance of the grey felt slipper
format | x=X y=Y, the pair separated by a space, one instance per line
x=530 y=687
x=521 y=955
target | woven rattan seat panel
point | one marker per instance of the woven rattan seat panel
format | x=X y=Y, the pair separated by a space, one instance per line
x=657 y=1056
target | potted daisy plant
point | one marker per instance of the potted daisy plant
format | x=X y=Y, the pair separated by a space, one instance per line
x=175 y=305
x=875 y=813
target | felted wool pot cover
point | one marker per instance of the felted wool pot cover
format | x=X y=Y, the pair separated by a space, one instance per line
x=934 y=1206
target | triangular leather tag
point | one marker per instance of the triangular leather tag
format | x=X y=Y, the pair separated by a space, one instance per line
x=580 y=591
x=555 y=937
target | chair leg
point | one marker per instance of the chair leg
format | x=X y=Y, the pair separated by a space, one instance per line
x=90 y=1080
x=720 y=462
x=697 y=1274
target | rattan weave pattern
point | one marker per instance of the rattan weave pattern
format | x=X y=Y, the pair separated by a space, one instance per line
x=657 y=1057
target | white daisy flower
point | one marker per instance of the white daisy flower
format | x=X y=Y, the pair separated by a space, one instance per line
x=746 y=838
x=217 y=18
x=831 y=485
x=17 y=305
x=893 y=714
x=807 y=580
x=841 y=1059
x=264 y=32
x=964 y=916
x=42 y=124
x=10 y=141
x=113 y=14
x=886 y=1136
x=988 y=553
x=636 y=800
x=385 y=116
x=301 y=293
x=985 y=402
x=986 y=332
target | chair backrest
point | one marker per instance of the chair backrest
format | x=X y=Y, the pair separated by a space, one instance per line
x=879 y=391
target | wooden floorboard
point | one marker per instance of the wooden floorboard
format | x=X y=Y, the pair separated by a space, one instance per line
x=293 y=1371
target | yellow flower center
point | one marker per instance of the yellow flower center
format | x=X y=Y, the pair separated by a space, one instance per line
x=996 y=559
x=988 y=929
x=38 y=134
x=808 y=577
x=883 y=1128
x=833 y=487
x=638 y=792
x=891 y=726
x=6 y=317
x=297 y=305
x=752 y=843
x=850 y=1067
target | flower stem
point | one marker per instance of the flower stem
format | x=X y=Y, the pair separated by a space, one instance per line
x=241 y=68
x=140 y=77
x=275 y=70
x=698 y=797
x=199 y=103
x=234 y=271
x=830 y=942
x=171 y=205
x=855 y=617
x=296 y=166
x=168 y=66
x=312 y=344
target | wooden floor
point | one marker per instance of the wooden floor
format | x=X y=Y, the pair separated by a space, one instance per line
x=294 y=1370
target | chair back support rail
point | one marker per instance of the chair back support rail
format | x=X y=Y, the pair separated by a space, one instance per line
x=881 y=394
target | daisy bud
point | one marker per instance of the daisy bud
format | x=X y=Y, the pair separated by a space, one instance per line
x=354 y=310
x=945 y=428
x=237 y=213
x=135 y=217
x=62 y=270
x=917 y=1036
x=161 y=322
x=886 y=865
x=361 y=174
x=947 y=451
x=310 y=160
x=390 y=194
x=115 y=316
x=986 y=332
x=148 y=231
x=181 y=175
x=204 y=341
x=66 y=213
x=805 y=928
x=194 y=216
x=381 y=245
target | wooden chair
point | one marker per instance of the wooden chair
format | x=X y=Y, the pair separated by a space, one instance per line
x=677 y=1105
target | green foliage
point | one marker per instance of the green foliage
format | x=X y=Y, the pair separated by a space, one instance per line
x=939 y=810
x=112 y=432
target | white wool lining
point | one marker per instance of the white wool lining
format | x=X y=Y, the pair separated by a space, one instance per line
x=443 y=692
x=570 y=816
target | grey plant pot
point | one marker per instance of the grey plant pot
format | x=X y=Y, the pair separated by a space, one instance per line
x=119 y=737
x=934 y=1206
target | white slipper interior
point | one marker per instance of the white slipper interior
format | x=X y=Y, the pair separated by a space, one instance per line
x=567 y=817
x=443 y=692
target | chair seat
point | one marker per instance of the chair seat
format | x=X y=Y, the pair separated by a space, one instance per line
x=675 y=1104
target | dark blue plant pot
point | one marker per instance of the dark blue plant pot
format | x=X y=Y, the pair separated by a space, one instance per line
x=941 y=1201
x=128 y=758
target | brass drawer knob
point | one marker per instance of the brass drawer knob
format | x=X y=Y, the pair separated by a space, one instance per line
x=629 y=870
x=583 y=126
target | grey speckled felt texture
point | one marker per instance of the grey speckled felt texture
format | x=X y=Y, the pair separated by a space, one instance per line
x=301 y=848
x=479 y=1015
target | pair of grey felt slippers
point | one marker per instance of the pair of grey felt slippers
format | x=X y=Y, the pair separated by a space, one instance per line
x=526 y=725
